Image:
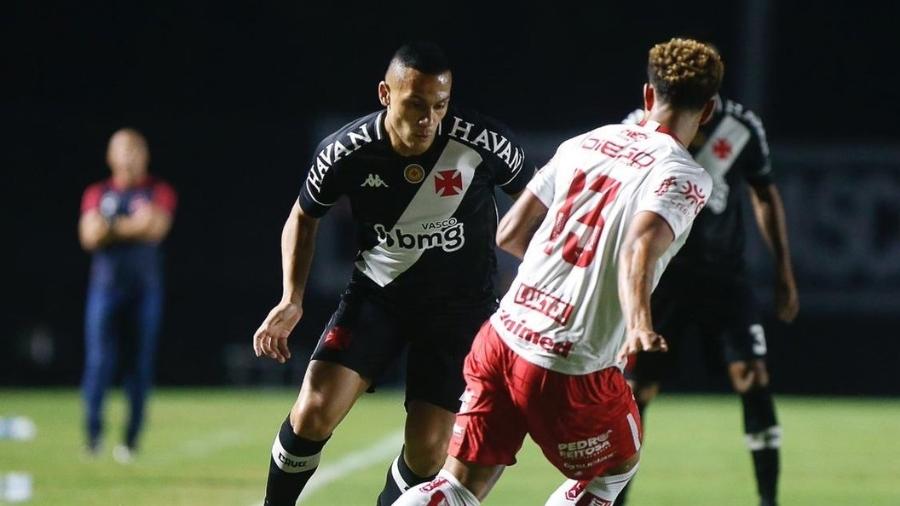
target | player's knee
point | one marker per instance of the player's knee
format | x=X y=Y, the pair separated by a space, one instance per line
x=311 y=419
x=426 y=456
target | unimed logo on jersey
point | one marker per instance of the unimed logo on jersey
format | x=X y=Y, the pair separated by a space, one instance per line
x=518 y=329
x=449 y=235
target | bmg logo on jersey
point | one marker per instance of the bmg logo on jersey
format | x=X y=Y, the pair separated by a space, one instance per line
x=449 y=235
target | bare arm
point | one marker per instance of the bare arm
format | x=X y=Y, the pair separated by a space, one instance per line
x=646 y=240
x=519 y=224
x=147 y=224
x=769 y=212
x=93 y=230
x=298 y=240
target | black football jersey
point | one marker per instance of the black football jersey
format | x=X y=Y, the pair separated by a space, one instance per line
x=425 y=224
x=732 y=148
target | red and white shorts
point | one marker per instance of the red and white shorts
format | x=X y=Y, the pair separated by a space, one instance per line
x=585 y=424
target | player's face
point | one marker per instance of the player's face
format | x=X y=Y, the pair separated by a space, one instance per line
x=416 y=105
x=128 y=158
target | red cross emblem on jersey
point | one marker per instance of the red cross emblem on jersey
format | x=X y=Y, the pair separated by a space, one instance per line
x=448 y=183
x=722 y=148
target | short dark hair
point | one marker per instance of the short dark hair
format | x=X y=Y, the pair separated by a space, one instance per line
x=684 y=72
x=424 y=56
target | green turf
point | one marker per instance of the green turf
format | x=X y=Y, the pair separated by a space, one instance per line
x=210 y=447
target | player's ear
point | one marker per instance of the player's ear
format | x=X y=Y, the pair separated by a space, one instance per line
x=649 y=96
x=707 y=112
x=384 y=93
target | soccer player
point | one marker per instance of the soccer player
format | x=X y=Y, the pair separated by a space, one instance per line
x=123 y=221
x=420 y=178
x=705 y=288
x=595 y=228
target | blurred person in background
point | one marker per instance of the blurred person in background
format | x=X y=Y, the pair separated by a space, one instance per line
x=124 y=220
x=705 y=289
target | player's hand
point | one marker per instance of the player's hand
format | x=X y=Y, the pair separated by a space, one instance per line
x=641 y=340
x=271 y=337
x=787 y=301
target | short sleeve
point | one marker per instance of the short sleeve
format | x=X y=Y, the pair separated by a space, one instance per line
x=677 y=194
x=164 y=197
x=512 y=170
x=90 y=199
x=322 y=188
x=542 y=185
x=755 y=161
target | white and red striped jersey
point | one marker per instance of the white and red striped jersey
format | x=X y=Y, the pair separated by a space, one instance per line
x=562 y=311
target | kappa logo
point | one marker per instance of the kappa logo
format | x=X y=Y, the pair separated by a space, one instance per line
x=374 y=181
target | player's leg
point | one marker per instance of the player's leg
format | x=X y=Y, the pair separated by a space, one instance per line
x=593 y=435
x=139 y=380
x=601 y=490
x=459 y=483
x=487 y=434
x=750 y=379
x=100 y=358
x=438 y=347
x=329 y=391
x=356 y=346
x=645 y=371
x=426 y=436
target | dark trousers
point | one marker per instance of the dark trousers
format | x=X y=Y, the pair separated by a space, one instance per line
x=110 y=315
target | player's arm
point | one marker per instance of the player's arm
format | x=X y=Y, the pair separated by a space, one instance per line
x=769 y=212
x=519 y=224
x=646 y=240
x=298 y=239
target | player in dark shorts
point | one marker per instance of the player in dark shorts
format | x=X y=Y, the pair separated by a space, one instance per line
x=705 y=289
x=420 y=177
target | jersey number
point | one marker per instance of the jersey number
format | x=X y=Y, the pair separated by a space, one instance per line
x=578 y=250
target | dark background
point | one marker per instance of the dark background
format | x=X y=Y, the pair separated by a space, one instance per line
x=233 y=97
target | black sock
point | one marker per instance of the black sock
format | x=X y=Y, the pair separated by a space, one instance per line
x=622 y=497
x=297 y=459
x=764 y=441
x=766 y=465
x=399 y=478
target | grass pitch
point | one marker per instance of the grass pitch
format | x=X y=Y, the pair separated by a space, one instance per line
x=211 y=447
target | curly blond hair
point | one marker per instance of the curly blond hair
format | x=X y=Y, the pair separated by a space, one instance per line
x=685 y=72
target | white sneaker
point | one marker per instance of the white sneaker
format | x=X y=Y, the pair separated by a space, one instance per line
x=122 y=454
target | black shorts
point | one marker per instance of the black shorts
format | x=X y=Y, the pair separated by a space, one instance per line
x=367 y=335
x=722 y=314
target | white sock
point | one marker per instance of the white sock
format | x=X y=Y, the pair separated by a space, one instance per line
x=444 y=490
x=605 y=488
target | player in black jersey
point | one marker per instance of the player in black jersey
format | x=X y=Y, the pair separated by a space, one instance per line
x=705 y=289
x=420 y=178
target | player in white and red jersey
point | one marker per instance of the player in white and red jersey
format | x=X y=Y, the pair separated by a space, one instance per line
x=595 y=229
